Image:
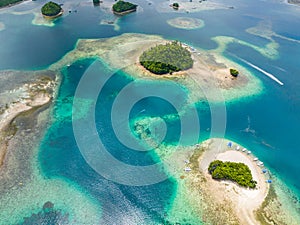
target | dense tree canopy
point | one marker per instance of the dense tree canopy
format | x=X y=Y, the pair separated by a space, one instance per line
x=237 y=172
x=122 y=6
x=51 y=9
x=8 y=2
x=167 y=58
x=175 y=5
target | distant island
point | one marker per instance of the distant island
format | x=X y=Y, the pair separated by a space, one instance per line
x=122 y=7
x=168 y=58
x=51 y=10
x=296 y=2
x=175 y=5
x=4 y=3
x=237 y=172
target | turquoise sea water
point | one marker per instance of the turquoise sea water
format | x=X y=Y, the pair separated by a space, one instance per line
x=272 y=118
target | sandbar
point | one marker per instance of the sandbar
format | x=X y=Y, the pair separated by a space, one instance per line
x=186 y=23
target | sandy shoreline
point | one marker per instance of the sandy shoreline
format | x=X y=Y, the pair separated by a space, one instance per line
x=244 y=201
x=203 y=195
x=31 y=95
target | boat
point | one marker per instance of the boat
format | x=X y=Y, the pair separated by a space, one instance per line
x=186 y=161
x=255 y=159
x=260 y=163
x=187 y=169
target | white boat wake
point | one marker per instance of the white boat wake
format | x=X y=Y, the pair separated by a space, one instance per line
x=260 y=70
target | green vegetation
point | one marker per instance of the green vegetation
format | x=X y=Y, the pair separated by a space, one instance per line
x=96 y=2
x=8 y=2
x=175 y=5
x=51 y=9
x=122 y=6
x=237 y=172
x=167 y=58
x=234 y=72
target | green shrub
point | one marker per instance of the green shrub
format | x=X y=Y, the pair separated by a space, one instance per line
x=237 y=172
x=51 y=9
x=234 y=72
x=168 y=58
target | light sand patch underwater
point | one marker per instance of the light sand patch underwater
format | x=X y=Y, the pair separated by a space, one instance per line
x=39 y=20
x=270 y=50
x=186 y=23
x=264 y=30
x=2 y=26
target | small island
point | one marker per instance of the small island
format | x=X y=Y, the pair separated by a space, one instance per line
x=96 y=2
x=122 y=7
x=296 y=2
x=175 y=5
x=168 y=58
x=236 y=172
x=51 y=10
x=234 y=72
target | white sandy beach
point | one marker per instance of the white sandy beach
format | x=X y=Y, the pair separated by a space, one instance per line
x=201 y=194
x=244 y=201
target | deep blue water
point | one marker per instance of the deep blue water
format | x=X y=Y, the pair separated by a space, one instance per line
x=273 y=116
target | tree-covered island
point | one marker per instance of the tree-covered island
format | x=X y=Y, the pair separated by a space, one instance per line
x=168 y=58
x=122 y=7
x=4 y=3
x=175 y=5
x=51 y=10
x=236 y=172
